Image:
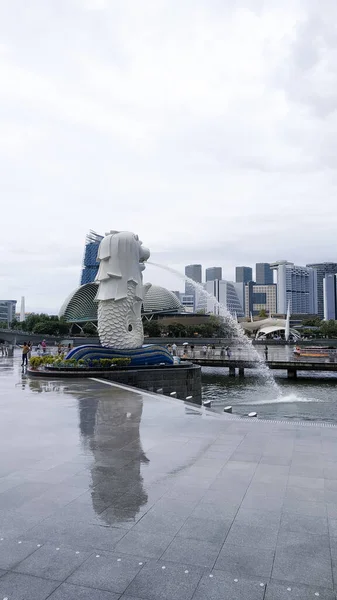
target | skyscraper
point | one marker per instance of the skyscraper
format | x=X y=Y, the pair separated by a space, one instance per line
x=90 y=264
x=296 y=286
x=330 y=296
x=7 y=311
x=263 y=274
x=322 y=269
x=193 y=272
x=243 y=274
x=213 y=273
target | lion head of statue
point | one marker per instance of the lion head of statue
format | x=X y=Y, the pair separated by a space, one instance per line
x=122 y=257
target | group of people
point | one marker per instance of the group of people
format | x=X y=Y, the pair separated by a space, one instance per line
x=4 y=348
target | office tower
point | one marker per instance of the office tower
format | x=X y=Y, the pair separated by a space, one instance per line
x=263 y=274
x=330 y=296
x=243 y=274
x=260 y=297
x=225 y=292
x=193 y=272
x=213 y=273
x=7 y=311
x=322 y=269
x=90 y=264
x=296 y=286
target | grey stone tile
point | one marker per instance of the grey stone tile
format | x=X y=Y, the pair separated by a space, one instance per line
x=15 y=586
x=313 y=509
x=107 y=571
x=303 y=560
x=68 y=591
x=314 y=483
x=205 y=529
x=303 y=538
x=303 y=523
x=241 y=561
x=262 y=502
x=333 y=527
x=192 y=552
x=14 y=551
x=52 y=562
x=149 y=545
x=284 y=591
x=258 y=518
x=78 y=535
x=274 y=471
x=222 y=586
x=245 y=457
x=304 y=494
x=330 y=484
x=270 y=488
x=14 y=524
x=17 y=496
x=252 y=536
x=275 y=460
x=306 y=471
x=174 y=582
x=216 y=512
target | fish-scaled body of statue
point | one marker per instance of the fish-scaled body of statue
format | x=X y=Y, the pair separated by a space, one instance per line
x=121 y=291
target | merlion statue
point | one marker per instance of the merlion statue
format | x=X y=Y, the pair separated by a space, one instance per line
x=121 y=291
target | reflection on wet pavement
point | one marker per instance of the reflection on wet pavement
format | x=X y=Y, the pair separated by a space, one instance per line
x=110 y=493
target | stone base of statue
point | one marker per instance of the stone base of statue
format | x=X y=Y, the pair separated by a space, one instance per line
x=150 y=354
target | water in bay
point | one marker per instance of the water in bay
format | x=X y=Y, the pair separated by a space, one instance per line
x=313 y=399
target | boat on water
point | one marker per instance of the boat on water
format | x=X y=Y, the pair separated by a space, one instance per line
x=315 y=351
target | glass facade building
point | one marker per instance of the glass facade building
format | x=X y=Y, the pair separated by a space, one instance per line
x=263 y=274
x=243 y=274
x=7 y=311
x=322 y=269
x=296 y=286
x=213 y=273
x=90 y=264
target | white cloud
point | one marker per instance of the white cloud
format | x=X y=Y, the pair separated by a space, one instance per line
x=207 y=127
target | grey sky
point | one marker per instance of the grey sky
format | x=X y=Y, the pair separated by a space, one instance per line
x=207 y=127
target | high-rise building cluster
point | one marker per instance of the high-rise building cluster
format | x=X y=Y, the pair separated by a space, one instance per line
x=306 y=290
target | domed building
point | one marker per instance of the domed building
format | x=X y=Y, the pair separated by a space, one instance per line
x=80 y=308
x=160 y=300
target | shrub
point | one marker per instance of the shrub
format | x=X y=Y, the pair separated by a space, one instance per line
x=105 y=362
x=122 y=362
x=35 y=362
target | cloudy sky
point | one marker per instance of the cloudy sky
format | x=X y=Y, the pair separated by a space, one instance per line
x=208 y=127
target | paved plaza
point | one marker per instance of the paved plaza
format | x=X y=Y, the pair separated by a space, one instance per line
x=112 y=494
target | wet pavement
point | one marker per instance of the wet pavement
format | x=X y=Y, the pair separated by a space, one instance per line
x=108 y=493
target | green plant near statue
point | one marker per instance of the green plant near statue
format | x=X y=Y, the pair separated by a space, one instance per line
x=71 y=363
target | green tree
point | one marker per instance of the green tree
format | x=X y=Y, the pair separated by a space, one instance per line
x=176 y=330
x=263 y=314
x=90 y=329
x=329 y=328
x=152 y=328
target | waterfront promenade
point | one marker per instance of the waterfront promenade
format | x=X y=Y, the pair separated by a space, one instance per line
x=279 y=358
x=108 y=493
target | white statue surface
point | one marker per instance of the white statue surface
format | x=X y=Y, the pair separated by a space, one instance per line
x=121 y=291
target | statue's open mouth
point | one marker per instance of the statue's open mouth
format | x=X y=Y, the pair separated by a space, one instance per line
x=144 y=255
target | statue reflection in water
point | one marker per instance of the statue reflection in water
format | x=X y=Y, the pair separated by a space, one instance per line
x=110 y=429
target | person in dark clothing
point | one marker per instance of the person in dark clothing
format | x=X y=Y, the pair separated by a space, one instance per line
x=25 y=352
x=266 y=352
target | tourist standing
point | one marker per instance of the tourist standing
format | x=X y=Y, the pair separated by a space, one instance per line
x=44 y=346
x=266 y=352
x=174 y=349
x=25 y=352
x=204 y=349
x=228 y=352
x=192 y=350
